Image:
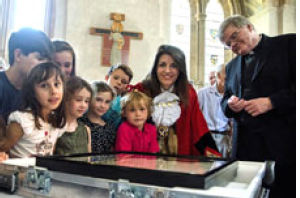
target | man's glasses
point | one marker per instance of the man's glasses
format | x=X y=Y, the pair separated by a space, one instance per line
x=234 y=36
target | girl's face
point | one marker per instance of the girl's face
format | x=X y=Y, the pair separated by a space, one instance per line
x=167 y=71
x=49 y=94
x=65 y=60
x=101 y=103
x=79 y=103
x=136 y=114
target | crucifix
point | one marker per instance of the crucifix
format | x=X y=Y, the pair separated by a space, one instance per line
x=116 y=42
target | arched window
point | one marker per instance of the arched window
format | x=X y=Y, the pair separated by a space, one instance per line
x=214 y=50
x=180 y=28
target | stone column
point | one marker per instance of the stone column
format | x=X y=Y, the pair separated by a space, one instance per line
x=197 y=56
x=201 y=52
x=289 y=16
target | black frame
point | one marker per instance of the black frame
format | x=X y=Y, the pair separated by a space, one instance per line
x=134 y=175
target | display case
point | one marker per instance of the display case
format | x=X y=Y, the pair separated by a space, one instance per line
x=145 y=168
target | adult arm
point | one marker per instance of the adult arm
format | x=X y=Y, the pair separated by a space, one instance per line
x=11 y=136
x=200 y=98
x=202 y=139
x=284 y=100
x=154 y=143
x=231 y=104
x=89 y=146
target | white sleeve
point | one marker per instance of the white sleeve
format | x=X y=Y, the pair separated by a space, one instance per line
x=26 y=120
x=200 y=99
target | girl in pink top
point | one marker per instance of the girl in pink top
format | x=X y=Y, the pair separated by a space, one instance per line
x=134 y=134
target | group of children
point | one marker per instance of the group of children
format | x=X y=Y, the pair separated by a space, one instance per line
x=63 y=118
x=63 y=114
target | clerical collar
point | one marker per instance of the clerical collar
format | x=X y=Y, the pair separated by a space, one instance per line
x=258 y=46
x=171 y=89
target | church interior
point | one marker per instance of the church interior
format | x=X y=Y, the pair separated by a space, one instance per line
x=92 y=28
x=189 y=24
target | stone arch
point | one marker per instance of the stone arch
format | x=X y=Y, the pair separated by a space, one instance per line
x=197 y=50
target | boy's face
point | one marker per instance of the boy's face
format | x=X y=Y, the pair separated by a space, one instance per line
x=118 y=80
x=27 y=63
x=136 y=114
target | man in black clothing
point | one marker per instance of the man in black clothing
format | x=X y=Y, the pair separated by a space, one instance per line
x=27 y=48
x=260 y=94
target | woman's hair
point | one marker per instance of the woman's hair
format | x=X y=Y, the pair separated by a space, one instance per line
x=152 y=84
x=60 y=46
x=75 y=84
x=135 y=99
x=101 y=86
x=38 y=74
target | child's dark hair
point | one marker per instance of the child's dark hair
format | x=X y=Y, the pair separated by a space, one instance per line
x=38 y=74
x=29 y=40
x=75 y=84
x=125 y=68
x=60 y=46
x=101 y=86
x=136 y=98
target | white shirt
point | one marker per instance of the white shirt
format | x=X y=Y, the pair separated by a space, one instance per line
x=209 y=101
x=34 y=141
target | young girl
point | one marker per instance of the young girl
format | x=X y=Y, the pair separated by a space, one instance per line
x=77 y=137
x=103 y=134
x=135 y=134
x=64 y=56
x=35 y=128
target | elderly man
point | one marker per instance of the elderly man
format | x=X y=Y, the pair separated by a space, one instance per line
x=212 y=77
x=209 y=101
x=260 y=94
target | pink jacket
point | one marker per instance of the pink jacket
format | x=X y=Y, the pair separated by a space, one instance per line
x=130 y=138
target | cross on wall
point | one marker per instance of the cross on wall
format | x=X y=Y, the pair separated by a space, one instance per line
x=107 y=43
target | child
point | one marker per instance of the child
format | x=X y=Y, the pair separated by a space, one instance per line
x=103 y=134
x=118 y=77
x=35 y=128
x=77 y=137
x=26 y=48
x=64 y=56
x=135 y=134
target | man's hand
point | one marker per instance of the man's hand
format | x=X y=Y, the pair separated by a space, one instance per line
x=258 y=106
x=236 y=104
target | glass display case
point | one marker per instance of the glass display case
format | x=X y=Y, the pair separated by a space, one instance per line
x=145 y=168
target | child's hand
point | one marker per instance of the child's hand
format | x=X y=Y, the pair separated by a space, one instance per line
x=3 y=156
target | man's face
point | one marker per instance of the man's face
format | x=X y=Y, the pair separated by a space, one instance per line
x=221 y=78
x=240 y=40
x=118 y=80
x=28 y=62
x=212 y=77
